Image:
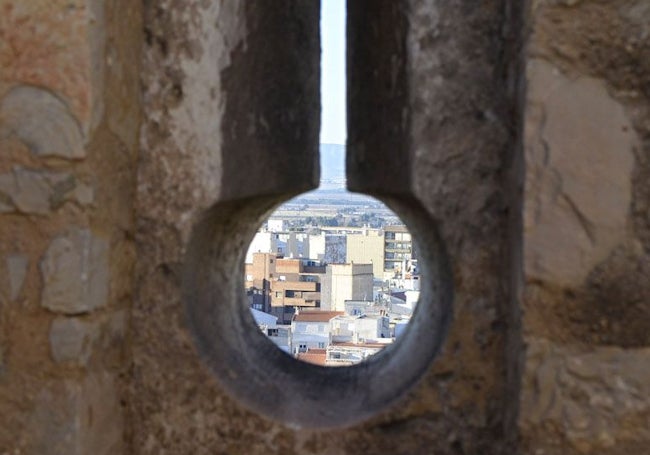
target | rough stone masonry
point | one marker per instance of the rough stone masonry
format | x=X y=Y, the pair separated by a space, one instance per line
x=522 y=128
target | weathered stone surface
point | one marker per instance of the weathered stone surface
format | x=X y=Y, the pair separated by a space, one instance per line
x=57 y=44
x=55 y=85
x=593 y=399
x=188 y=98
x=71 y=339
x=438 y=109
x=16 y=270
x=40 y=192
x=610 y=308
x=42 y=121
x=75 y=273
x=579 y=166
x=587 y=252
x=77 y=418
x=587 y=226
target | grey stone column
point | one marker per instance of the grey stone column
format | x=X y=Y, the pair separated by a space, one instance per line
x=435 y=129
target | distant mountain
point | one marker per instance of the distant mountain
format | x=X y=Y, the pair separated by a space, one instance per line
x=332 y=162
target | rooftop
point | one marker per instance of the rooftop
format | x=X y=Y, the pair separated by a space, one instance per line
x=315 y=356
x=316 y=316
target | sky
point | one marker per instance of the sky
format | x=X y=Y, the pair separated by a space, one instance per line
x=333 y=122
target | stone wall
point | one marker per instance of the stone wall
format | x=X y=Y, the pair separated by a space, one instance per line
x=69 y=117
x=587 y=223
x=127 y=128
x=203 y=121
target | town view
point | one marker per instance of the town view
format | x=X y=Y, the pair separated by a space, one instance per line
x=332 y=276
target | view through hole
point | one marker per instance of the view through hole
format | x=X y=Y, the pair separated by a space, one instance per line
x=246 y=364
x=332 y=277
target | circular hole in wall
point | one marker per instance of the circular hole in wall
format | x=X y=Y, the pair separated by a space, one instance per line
x=260 y=376
x=332 y=277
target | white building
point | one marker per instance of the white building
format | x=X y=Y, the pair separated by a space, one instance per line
x=359 y=328
x=344 y=354
x=400 y=327
x=412 y=297
x=317 y=246
x=311 y=330
x=263 y=242
x=280 y=335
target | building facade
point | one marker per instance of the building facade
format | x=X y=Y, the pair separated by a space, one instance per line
x=367 y=247
x=399 y=258
x=346 y=282
x=283 y=285
x=311 y=330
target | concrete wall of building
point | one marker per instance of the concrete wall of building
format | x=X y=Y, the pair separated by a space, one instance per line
x=354 y=329
x=362 y=281
x=367 y=248
x=298 y=245
x=548 y=351
x=346 y=282
x=263 y=242
x=317 y=247
x=309 y=335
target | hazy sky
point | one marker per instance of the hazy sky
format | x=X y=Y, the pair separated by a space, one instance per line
x=333 y=130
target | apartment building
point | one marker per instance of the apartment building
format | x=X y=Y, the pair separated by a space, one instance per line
x=399 y=257
x=311 y=330
x=346 y=282
x=284 y=284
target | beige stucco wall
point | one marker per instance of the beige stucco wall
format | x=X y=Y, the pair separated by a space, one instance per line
x=367 y=248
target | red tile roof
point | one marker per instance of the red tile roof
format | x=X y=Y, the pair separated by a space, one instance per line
x=316 y=316
x=315 y=356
